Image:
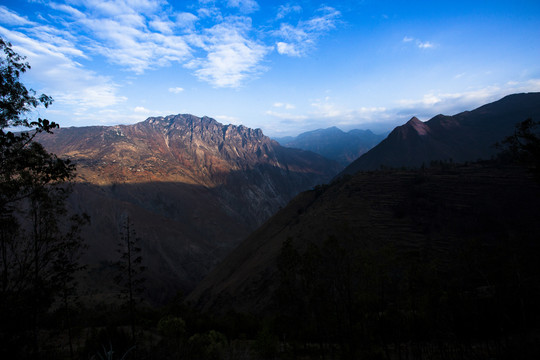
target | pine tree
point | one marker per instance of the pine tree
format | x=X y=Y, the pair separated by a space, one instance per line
x=130 y=270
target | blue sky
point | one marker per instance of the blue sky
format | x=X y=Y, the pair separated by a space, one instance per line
x=285 y=67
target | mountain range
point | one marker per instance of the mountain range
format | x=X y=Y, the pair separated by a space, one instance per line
x=467 y=136
x=335 y=144
x=192 y=187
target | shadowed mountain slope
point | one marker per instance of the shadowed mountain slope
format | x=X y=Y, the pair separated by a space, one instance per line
x=467 y=136
x=434 y=212
x=192 y=186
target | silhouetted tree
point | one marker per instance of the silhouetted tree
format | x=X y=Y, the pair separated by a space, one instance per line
x=39 y=243
x=524 y=145
x=130 y=270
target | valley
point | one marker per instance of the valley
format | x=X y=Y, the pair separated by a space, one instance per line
x=192 y=187
x=262 y=180
x=405 y=248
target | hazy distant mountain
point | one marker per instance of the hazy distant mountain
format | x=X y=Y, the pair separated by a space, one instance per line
x=334 y=143
x=192 y=186
x=436 y=213
x=467 y=136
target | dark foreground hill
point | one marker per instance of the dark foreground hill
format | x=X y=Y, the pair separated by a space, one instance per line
x=440 y=263
x=192 y=187
x=437 y=212
x=334 y=143
x=467 y=136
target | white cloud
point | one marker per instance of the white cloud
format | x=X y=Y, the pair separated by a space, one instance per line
x=297 y=40
x=141 y=110
x=442 y=101
x=79 y=94
x=135 y=34
x=286 y=116
x=63 y=78
x=67 y=9
x=419 y=43
x=226 y=119
x=289 y=49
x=325 y=109
x=325 y=22
x=434 y=103
x=138 y=49
x=211 y=12
x=325 y=114
x=245 y=6
x=176 y=90
x=121 y=7
x=284 y=105
x=425 y=45
x=232 y=56
x=143 y=35
x=8 y=17
x=162 y=26
x=186 y=20
x=140 y=35
x=287 y=9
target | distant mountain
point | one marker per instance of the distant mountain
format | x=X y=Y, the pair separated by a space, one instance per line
x=436 y=214
x=334 y=143
x=467 y=136
x=192 y=186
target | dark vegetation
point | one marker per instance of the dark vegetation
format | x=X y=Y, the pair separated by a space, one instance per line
x=474 y=299
x=346 y=303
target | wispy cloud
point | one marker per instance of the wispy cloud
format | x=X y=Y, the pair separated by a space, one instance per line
x=62 y=77
x=214 y=40
x=151 y=38
x=451 y=103
x=232 y=57
x=185 y=20
x=326 y=109
x=126 y=39
x=321 y=113
x=419 y=43
x=284 y=105
x=285 y=10
x=176 y=90
x=141 y=110
x=245 y=6
x=297 y=40
x=10 y=18
x=226 y=119
x=425 y=45
x=286 y=116
x=143 y=35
